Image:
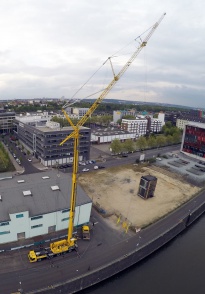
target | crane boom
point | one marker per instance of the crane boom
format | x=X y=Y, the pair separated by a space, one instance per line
x=63 y=245
x=118 y=76
x=115 y=79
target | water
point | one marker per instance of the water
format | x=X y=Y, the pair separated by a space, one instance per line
x=177 y=268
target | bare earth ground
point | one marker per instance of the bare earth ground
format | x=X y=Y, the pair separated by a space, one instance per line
x=115 y=191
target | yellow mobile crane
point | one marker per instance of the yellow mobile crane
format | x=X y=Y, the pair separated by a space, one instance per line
x=67 y=245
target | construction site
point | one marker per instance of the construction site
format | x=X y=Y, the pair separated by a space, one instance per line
x=114 y=193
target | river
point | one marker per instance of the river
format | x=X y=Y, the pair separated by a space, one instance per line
x=177 y=268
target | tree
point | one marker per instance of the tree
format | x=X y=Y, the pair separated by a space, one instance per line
x=116 y=146
x=129 y=145
x=169 y=139
x=129 y=116
x=151 y=142
x=141 y=143
x=176 y=138
x=160 y=141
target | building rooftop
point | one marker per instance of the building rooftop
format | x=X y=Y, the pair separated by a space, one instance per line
x=192 y=118
x=196 y=124
x=39 y=193
x=108 y=131
x=45 y=129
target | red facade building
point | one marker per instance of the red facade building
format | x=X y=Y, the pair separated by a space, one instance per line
x=193 y=141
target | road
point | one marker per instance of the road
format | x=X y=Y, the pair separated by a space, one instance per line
x=25 y=164
x=106 y=243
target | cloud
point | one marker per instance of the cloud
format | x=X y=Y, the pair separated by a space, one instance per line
x=50 y=49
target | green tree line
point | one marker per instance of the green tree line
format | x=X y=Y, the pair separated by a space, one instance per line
x=5 y=163
x=170 y=135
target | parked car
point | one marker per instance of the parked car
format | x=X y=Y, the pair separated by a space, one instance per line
x=85 y=170
x=158 y=158
x=101 y=166
x=95 y=167
x=29 y=159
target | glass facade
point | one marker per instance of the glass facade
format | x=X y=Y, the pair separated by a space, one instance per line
x=194 y=141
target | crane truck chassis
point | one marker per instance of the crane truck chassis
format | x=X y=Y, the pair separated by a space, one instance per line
x=86 y=232
x=49 y=252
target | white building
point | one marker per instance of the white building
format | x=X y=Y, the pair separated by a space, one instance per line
x=38 y=204
x=156 y=125
x=76 y=112
x=161 y=117
x=107 y=135
x=137 y=126
x=118 y=114
x=181 y=123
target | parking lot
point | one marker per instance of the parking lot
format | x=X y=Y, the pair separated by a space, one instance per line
x=192 y=169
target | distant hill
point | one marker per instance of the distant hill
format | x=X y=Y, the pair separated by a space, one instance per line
x=126 y=102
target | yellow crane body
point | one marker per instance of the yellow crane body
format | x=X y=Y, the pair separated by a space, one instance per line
x=66 y=245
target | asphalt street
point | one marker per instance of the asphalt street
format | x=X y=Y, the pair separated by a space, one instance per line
x=106 y=243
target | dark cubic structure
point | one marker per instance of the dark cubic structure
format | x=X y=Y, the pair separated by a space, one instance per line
x=147 y=186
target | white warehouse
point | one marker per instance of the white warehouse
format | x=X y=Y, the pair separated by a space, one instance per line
x=107 y=135
x=38 y=204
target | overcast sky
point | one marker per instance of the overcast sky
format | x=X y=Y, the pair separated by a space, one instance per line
x=50 y=48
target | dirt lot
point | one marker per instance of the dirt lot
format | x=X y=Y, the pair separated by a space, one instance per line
x=115 y=191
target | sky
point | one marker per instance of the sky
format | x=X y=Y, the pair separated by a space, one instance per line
x=57 y=49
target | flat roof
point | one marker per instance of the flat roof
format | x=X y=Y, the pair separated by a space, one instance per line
x=42 y=198
x=196 y=124
x=108 y=132
x=46 y=129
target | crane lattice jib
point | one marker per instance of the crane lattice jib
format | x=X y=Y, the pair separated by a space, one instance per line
x=118 y=76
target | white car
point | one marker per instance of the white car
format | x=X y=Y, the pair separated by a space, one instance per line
x=29 y=159
x=95 y=167
x=158 y=158
x=85 y=170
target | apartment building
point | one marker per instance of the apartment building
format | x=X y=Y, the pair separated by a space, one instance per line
x=182 y=121
x=137 y=126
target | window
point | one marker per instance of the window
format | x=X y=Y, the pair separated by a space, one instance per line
x=4 y=224
x=66 y=210
x=5 y=232
x=19 y=215
x=65 y=219
x=36 y=217
x=36 y=226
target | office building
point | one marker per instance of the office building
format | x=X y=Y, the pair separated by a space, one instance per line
x=43 y=137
